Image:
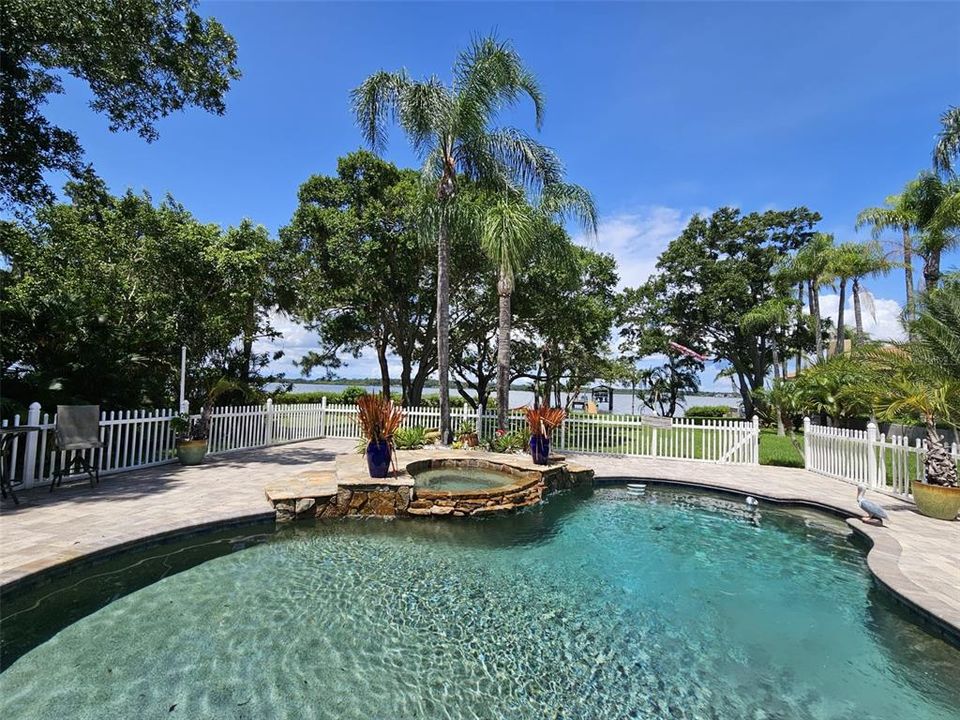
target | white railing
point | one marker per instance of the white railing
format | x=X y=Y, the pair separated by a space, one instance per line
x=885 y=464
x=140 y=438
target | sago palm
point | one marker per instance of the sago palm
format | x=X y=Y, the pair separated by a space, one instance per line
x=451 y=128
x=513 y=224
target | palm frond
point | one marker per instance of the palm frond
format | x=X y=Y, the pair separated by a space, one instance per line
x=948 y=141
x=508 y=232
x=568 y=200
x=529 y=164
x=423 y=111
x=488 y=76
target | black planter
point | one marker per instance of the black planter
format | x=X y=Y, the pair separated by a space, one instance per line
x=540 y=449
x=378 y=459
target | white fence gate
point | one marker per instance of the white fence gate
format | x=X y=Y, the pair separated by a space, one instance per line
x=140 y=438
x=885 y=464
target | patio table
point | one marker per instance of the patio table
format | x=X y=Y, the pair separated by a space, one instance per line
x=7 y=436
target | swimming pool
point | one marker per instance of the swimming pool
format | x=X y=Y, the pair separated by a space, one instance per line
x=457 y=479
x=602 y=604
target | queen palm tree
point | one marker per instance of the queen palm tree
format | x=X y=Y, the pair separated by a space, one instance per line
x=771 y=317
x=930 y=207
x=843 y=264
x=868 y=262
x=511 y=227
x=948 y=141
x=896 y=214
x=808 y=267
x=451 y=128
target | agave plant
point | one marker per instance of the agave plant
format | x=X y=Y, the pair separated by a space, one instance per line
x=378 y=418
x=544 y=420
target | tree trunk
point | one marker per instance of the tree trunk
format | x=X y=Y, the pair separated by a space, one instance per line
x=504 y=289
x=908 y=273
x=931 y=269
x=799 y=323
x=443 y=328
x=813 y=300
x=939 y=467
x=857 y=312
x=838 y=346
x=384 y=368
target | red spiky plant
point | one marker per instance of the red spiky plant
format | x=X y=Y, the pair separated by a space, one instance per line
x=544 y=420
x=378 y=418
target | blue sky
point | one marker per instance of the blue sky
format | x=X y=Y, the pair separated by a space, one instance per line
x=660 y=109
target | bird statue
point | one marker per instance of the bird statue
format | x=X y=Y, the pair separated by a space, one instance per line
x=873 y=510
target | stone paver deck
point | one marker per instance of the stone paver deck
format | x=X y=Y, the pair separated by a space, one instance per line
x=915 y=557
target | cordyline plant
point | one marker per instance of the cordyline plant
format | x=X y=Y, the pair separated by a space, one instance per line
x=544 y=420
x=378 y=418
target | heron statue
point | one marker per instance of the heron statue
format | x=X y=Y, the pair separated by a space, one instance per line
x=873 y=510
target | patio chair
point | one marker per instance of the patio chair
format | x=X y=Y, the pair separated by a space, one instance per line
x=77 y=430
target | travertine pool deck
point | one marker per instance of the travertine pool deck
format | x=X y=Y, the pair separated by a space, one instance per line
x=916 y=557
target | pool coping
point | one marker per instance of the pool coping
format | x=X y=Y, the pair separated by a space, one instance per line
x=882 y=558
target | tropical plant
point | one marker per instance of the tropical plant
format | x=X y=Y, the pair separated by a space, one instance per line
x=450 y=127
x=868 y=261
x=843 y=264
x=543 y=420
x=808 y=269
x=897 y=213
x=835 y=388
x=786 y=398
x=378 y=418
x=187 y=427
x=948 y=141
x=411 y=438
x=508 y=442
x=511 y=226
x=467 y=427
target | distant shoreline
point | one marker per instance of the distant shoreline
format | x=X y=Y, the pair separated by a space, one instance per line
x=362 y=382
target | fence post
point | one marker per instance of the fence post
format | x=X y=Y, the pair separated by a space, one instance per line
x=806 y=443
x=872 y=455
x=323 y=416
x=756 y=439
x=653 y=442
x=30 y=446
x=268 y=423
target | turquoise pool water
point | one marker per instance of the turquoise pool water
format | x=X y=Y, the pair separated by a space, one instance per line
x=671 y=605
x=461 y=479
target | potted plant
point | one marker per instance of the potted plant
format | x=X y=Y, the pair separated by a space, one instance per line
x=542 y=422
x=468 y=434
x=378 y=420
x=191 y=441
x=192 y=431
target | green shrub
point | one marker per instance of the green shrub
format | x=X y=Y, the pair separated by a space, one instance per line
x=707 y=411
x=510 y=442
x=411 y=438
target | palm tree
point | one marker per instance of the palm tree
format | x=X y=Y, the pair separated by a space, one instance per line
x=771 y=317
x=899 y=215
x=450 y=127
x=808 y=267
x=868 y=262
x=929 y=206
x=511 y=227
x=843 y=265
x=948 y=141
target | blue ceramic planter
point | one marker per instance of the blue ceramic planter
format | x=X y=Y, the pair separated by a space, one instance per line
x=378 y=459
x=540 y=450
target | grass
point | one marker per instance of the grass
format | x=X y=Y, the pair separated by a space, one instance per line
x=776 y=450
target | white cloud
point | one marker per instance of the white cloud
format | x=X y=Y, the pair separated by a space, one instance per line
x=637 y=239
x=882 y=324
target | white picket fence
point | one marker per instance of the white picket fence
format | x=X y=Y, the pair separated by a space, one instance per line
x=885 y=464
x=139 y=438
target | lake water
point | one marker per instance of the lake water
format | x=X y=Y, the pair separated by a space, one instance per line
x=622 y=403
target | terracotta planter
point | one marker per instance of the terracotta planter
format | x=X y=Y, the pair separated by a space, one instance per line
x=470 y=439
x=937 y=501
x=191 y=452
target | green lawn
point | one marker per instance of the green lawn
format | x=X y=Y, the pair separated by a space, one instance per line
x=776 y=450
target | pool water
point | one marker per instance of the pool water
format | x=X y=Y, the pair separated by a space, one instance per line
x=672 y=604
x=461 y=479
